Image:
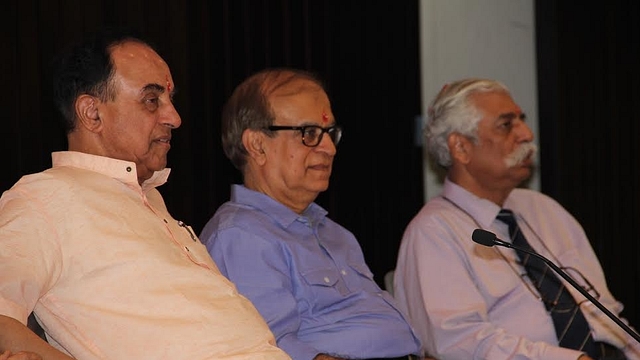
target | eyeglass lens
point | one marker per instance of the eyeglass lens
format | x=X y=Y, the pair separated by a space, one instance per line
x=312 y=135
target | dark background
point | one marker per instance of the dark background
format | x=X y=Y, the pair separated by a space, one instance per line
x=588 y=67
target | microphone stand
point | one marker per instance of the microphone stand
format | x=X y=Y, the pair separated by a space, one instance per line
x=577 y=286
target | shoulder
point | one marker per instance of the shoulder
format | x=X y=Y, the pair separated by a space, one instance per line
x=233 y=223
x=47 y=187
x=436 y=213
x=522 y=199
x=439 y=224
x=234 y=215
x=541 y=209
x=330 y=225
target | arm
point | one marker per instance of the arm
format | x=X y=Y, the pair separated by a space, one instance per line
x=17 y=338
x=259 y=269
x=25 y=240
x=574 y=249
x=321 y=357
x=23 y=355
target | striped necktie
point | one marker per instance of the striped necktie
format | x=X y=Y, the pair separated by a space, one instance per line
x=571 y=327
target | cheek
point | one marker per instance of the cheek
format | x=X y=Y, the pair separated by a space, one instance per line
x=496 y=150
x=293 y=164
x=288 y=156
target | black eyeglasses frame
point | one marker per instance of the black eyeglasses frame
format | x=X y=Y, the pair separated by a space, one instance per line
x=334 y=131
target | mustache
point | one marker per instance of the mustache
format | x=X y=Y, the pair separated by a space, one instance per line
x=521 y=153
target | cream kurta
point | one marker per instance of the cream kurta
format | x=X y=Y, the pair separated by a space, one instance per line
x=111 y=275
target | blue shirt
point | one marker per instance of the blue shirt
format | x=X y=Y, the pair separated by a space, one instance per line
x=308 y=278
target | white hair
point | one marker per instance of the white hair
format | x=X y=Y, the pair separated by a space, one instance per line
x=451 y=111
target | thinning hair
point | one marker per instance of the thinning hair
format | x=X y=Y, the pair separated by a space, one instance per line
x=249 y=108
x=451 y=111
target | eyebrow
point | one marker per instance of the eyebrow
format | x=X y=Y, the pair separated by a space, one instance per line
x=312 y=123
x=158 y=88
x=511 y=116
x=153 y=87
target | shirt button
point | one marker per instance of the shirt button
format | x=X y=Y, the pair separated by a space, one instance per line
x=129 y=169
x=343 y=272
x=326 y=279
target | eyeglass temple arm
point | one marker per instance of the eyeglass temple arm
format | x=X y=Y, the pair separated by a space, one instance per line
x=487 y=238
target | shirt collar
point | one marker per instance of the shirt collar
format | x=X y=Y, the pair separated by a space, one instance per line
x=240 y=194
x=124 y=171
x=481 y=210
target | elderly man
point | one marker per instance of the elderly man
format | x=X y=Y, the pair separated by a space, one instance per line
x=468 y=301
x=305 y=273
x=89 y=245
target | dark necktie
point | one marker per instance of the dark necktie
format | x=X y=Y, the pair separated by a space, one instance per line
x=571 y=327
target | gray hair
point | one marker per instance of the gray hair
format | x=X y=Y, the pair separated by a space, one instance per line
x=452 y=112
x=249 y=108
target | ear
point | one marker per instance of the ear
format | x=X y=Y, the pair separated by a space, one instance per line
x=253 y=141
x=459 y=147
x=86 y=107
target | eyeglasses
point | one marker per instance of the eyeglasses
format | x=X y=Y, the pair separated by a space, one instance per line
x=312 y=134
x=554 y=304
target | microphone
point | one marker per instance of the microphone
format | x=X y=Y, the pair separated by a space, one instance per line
x=487 y=238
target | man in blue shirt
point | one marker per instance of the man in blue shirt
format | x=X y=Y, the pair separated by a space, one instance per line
x=304 y=273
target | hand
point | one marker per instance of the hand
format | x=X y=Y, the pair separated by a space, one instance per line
x=582 y=357
x=318 y=357
x=21 y=355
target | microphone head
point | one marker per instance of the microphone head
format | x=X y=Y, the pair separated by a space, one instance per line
x=483 y=237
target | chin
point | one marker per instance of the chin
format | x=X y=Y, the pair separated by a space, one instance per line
x=159 y=163
x=524 y=174
x=321 y=186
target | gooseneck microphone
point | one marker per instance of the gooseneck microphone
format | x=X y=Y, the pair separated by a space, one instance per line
x=487 y=238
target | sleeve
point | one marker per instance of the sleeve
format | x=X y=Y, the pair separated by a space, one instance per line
x=28 y=254
x=445 y=305
x=259 y=269
x=579 y=251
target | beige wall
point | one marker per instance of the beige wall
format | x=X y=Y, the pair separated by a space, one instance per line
x=484 y=38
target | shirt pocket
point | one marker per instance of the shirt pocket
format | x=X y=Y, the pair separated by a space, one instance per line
x=324 y=284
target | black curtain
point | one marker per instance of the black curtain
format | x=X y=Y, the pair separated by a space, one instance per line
x=588 y=85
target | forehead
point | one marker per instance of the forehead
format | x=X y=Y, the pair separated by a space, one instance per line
x=301 y=99
x=292 y=87
x=140 y=64
x=494 y=104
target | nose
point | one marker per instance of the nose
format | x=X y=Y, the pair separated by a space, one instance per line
x=524 y=131
x=171 y=118
x=326 y=145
